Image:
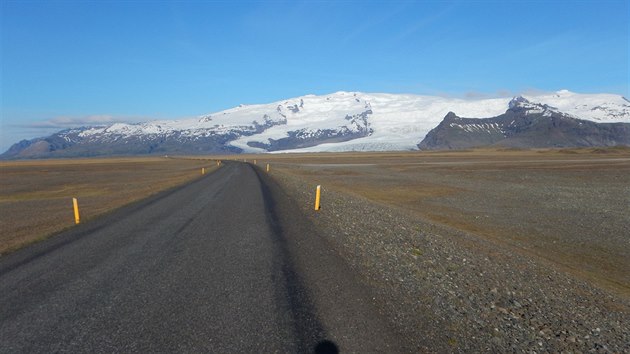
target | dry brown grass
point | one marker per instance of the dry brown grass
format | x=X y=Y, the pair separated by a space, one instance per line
x=36 y=196
x=568 y=207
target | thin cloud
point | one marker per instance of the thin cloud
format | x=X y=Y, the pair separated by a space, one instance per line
x=473 y=95
x=12 y=133
x=369 y=25
x=424 y=22
x=65 y=122
x=536 y=92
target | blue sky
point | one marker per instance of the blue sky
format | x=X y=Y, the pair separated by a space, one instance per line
x=67 y=63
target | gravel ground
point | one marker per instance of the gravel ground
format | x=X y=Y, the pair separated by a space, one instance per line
x=451 y=291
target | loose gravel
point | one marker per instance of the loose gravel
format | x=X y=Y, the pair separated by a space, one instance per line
x=451 y=291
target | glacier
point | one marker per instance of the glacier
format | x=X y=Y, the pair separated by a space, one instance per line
x=340 y=121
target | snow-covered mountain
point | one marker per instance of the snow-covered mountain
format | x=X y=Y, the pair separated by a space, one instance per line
x=525 y=125
x=342 y=121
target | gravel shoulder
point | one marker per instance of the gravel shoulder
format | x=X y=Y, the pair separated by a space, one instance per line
x=225 y=264
x=451 y=291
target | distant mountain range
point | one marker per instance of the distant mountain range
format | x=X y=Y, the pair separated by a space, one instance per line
x=354 y=121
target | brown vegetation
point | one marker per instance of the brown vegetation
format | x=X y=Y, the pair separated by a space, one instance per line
x=568 y=207
x=36 y=196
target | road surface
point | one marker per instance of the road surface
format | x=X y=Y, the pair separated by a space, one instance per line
x=224 y=264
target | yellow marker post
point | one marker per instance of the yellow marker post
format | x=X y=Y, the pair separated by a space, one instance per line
x=267 y=167
x=203 y=171
x=318 y=194
x=75 y=204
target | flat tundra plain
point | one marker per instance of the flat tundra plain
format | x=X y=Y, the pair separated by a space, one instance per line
x=502 y=250
x=569 y=207
x=486 y=250
x=36 y=195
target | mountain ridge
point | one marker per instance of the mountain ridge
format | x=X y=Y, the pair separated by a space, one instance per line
x=341 y=121
x=524 y=125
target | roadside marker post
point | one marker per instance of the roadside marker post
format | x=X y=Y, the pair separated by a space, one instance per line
x=317 y=196
x=255 y=163
x=267 y=167
x=75 y=205
x=203 y=171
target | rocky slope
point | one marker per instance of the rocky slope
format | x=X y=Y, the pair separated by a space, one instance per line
x=524 y=125
x=342 y=121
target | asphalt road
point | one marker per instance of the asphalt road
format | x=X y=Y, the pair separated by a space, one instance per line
x=224 y=264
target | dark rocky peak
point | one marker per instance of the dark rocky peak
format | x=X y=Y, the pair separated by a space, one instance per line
x=520 y=104
x=450 y=116
x=206 y=118
x=518 y=101
x=294 y=108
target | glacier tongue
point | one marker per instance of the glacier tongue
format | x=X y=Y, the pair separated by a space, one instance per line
x=341 y=121
x=392 y=121
x=400 y=121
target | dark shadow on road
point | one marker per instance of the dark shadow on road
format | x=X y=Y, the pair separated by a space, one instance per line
x=326 y=347
x=307 y=327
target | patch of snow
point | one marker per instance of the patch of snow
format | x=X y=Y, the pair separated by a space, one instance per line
x=397 y=121
x=601 y=108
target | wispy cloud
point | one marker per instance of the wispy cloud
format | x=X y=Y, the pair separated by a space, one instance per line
x=64 y=122
x=12 y=133
x=482 y=95
x=366 y=25
x=424 y=22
